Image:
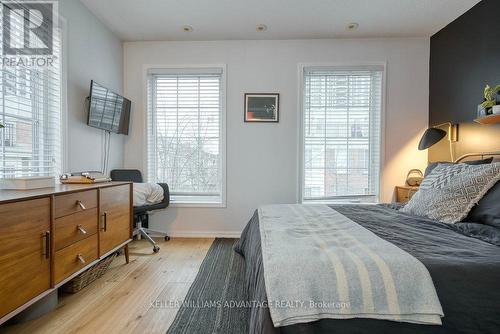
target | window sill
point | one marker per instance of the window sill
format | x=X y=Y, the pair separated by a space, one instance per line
x=197 y=205
x=339 y=202
x=342 y=201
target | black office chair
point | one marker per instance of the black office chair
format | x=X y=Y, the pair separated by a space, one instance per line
x=141 y=213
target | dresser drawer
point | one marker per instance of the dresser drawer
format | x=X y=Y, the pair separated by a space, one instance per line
x=75 y=202
x=72 y=228
x=74 y=257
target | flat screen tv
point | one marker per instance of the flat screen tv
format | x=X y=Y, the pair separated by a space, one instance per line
x=107 y=110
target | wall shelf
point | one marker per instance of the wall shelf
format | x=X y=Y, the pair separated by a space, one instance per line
x=490 y=119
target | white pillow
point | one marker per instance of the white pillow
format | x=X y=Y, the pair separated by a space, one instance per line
x=449 y=192
x=147 y=194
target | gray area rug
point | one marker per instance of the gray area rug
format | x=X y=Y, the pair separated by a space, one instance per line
x=215 y=301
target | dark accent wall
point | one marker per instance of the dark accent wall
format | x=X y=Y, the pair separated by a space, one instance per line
x=465 y=56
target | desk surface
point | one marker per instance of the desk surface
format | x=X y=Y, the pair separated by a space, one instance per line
x=16 y=195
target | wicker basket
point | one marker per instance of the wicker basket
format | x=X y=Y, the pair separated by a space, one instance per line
x=88 y=276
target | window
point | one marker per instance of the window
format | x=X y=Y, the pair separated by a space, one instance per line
x=186 y=133
x=9 y=134
x=30 y=109
x=341 y=133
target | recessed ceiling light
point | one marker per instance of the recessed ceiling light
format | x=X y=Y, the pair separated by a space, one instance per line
x=187 y=28
x=261 y=27
x=352 y=26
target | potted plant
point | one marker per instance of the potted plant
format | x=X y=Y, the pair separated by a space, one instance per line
x=496 y=108
x=490 y=100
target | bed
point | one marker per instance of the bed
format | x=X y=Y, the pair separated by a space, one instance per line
x=464 y=268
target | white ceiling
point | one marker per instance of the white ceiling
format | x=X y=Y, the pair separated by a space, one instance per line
x=135 y=20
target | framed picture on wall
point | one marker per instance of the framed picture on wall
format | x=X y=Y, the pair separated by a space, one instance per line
x=263 y=107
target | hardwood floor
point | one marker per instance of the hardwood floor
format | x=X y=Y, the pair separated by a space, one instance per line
x=122 y=300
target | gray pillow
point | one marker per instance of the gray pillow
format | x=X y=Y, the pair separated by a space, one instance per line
x=487 y=211
x=433 y=165
x=449 y=192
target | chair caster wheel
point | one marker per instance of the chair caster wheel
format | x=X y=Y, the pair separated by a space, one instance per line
x=156 y=249
x=167 y=238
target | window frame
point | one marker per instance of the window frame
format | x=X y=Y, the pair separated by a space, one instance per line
x=301 y=128
x=64 y=134
x=222 y=141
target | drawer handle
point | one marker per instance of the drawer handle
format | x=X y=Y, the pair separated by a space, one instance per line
x=81 y=230
x=82 y=206
x=105 y=221
x=80 y=258
x=46 y=244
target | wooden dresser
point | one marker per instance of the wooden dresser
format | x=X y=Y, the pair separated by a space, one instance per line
x=50 y=235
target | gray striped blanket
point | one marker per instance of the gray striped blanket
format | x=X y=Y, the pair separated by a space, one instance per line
x=320 y=264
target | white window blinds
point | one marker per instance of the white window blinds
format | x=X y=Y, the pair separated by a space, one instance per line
x=342 y=129
x=30 y=109
x=185 y=133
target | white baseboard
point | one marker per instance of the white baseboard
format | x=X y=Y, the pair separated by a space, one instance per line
x=204 y=234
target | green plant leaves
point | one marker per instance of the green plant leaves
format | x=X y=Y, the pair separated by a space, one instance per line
x=490 y=94
x=488 y=104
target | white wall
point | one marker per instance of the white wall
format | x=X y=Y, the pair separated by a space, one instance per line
x=92 y=52
x=262 y=159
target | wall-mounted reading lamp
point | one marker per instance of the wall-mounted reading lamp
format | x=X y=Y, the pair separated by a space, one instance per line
x=433 y=135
